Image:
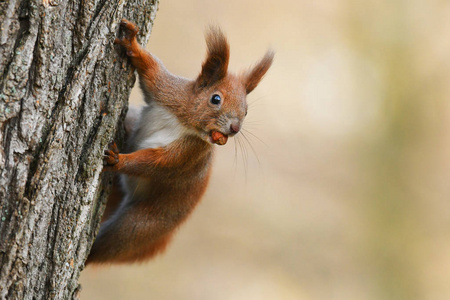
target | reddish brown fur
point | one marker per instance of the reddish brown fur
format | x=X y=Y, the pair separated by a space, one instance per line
x=164 y=184
x=254 y=76
x=140 y=59
x=215 y=66
x=148 y=220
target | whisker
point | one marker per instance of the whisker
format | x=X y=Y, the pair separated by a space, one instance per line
x=252 y=122
x=253 y=135
x=235 y=155
x=246 y=157
x=251 y=147
x=252 y=102
x=137 y=186
x=243 y=153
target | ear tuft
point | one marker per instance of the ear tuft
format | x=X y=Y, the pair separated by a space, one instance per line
x=215 y=66
x=253 y=77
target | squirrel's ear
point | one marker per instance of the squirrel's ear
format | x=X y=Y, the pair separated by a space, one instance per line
x=215 y=66
x=254 y=76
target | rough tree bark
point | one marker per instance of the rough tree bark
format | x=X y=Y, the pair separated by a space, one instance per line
x=63 y=91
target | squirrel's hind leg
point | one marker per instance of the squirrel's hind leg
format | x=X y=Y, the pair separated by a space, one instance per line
x=130 y=234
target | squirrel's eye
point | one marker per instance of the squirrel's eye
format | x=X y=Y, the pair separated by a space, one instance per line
x=215 y=99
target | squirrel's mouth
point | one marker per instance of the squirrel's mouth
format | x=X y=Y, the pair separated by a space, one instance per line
x=217 y=137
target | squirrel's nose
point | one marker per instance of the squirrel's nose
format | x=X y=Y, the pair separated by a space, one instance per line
x=235 y=127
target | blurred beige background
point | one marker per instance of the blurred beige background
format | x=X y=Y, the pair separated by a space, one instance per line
x=348 y=194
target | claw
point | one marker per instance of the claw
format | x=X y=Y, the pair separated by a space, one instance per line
x=128 y=37
x=111 y=155
x=113 y=146
x=129 y=26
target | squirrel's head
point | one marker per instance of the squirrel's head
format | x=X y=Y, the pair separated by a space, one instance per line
x=218 y=102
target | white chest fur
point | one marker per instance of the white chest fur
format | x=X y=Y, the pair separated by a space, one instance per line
x=157 y=127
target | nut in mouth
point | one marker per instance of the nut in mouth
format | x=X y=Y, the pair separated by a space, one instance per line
x=218 y=137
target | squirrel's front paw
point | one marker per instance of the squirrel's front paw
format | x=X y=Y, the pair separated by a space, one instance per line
x=129 y=36
x=111 y=156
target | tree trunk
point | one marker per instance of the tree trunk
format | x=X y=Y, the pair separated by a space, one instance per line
x=63 y=93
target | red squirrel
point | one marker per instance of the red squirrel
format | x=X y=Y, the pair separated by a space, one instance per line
x=167 y=163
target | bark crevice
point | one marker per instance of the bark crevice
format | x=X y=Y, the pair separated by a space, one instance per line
x=63 y=94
